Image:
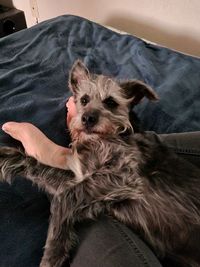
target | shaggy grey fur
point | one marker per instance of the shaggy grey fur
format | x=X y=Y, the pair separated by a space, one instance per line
x=116 y=172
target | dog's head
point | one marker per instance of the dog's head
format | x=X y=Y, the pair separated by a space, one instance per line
x=102 y=103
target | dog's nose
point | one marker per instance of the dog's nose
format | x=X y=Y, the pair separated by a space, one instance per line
x=90 y=118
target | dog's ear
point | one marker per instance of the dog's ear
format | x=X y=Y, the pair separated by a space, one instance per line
x=137 y=90
x=78 y=73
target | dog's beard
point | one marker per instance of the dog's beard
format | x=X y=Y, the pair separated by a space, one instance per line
x=103 y=129
x=82 y=133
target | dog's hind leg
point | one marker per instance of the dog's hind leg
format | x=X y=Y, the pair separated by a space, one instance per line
x=56 y=252
x=61 y=236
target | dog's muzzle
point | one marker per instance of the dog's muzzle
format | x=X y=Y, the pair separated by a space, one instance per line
x=90 y=119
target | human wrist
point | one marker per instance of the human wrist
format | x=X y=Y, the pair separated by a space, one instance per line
x=59 y=157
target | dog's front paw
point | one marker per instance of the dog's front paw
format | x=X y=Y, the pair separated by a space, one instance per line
x=11 y=163
x=6 y=152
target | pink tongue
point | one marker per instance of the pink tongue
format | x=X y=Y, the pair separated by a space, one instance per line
x=71 y=109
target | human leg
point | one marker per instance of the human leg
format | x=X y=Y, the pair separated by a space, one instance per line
x=185 y=145
x=108 y=243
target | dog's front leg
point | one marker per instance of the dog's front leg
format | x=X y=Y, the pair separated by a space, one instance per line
x=14 y=162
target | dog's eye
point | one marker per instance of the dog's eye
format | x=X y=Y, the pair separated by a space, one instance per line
x=110 y=103
x=85 y=99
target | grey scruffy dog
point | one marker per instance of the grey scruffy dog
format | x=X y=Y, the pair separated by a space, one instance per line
x=116 y=172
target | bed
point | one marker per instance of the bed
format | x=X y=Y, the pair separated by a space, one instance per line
x=34 y=66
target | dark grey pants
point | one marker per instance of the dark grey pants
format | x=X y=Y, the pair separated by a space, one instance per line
x=108 y=243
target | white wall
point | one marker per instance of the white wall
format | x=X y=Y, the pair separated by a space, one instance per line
x=173 y=23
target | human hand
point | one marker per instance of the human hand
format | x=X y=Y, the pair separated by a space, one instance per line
x=36 y=144
x=71 y=109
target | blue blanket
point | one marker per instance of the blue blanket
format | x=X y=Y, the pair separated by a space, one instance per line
x=34 y=65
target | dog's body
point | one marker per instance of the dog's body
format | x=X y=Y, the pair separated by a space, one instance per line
x=114 y=172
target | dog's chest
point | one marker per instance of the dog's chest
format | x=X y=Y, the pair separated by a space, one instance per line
x=102 y=156
x=106 y=164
